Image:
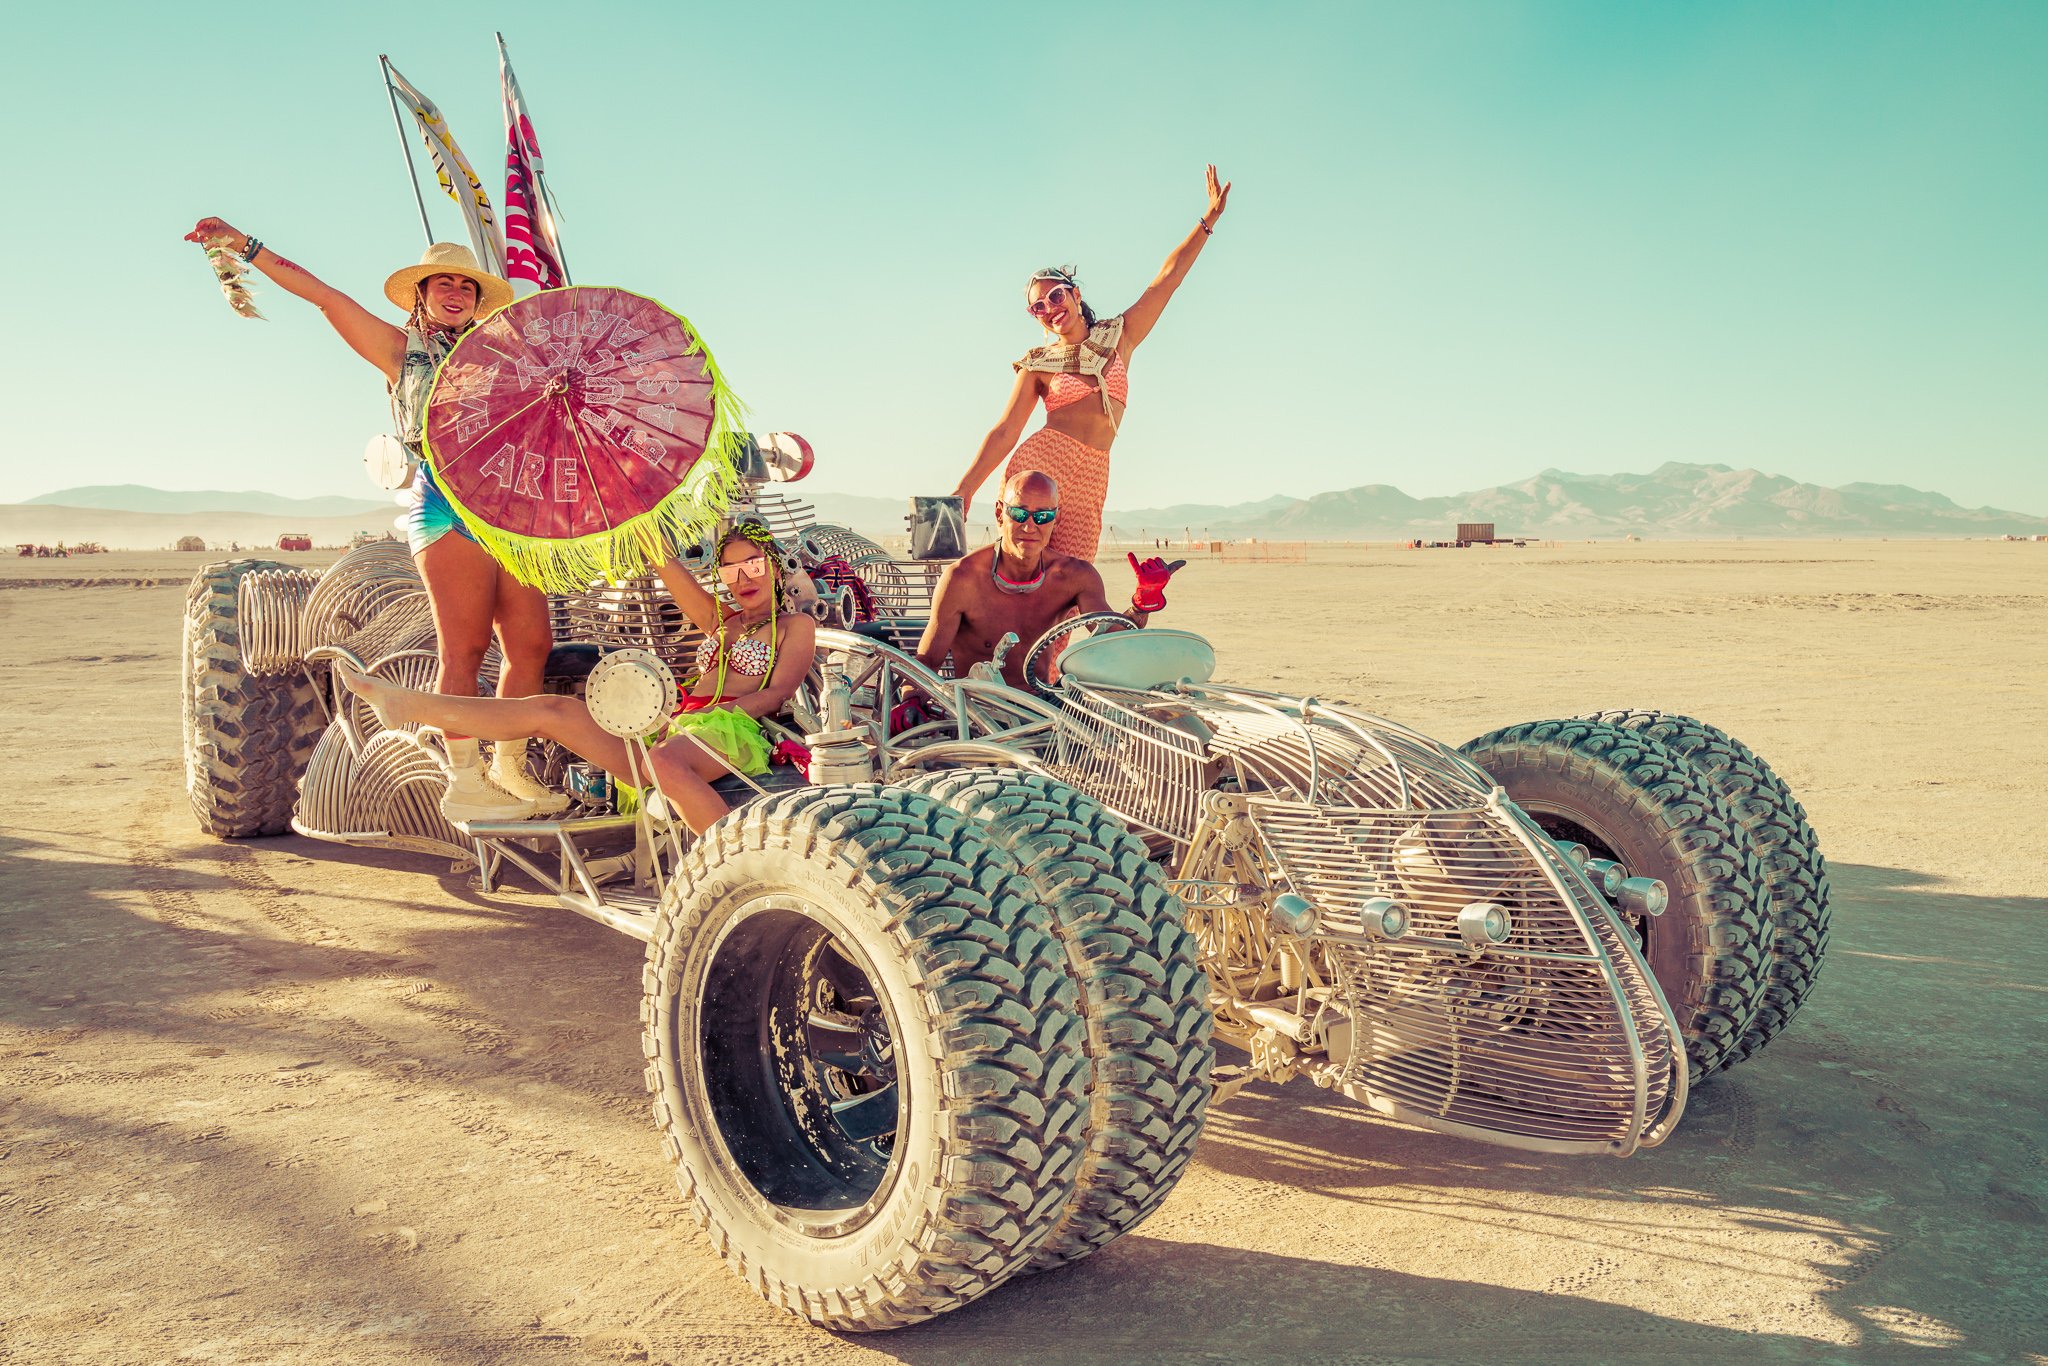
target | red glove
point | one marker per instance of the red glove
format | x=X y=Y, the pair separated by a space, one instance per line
x=909 y=714
x=1152 y=578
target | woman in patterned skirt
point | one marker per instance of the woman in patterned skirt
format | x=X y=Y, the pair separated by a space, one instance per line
x=1081 y=376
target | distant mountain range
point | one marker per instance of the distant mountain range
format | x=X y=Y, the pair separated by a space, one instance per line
x=1696 y=502
x=140 y=498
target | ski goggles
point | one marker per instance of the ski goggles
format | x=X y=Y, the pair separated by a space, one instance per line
x=1042 y=516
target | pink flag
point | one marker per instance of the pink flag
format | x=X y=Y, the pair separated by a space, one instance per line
x=533 y=251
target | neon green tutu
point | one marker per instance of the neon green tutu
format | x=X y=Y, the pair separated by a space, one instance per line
x=732 y=735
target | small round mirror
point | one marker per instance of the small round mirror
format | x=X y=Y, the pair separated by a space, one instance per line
x=388 y=463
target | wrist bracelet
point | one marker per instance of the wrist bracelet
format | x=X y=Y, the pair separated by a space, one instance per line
x=1203 y=224
x=248 y=254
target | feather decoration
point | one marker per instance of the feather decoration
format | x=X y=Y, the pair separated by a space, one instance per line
x=228 y=269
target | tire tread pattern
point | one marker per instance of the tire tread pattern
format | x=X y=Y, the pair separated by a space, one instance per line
x=1142 y=989
x=1720 y=901
x=1006 y=1035
x=247 y=739
x=1795 y=873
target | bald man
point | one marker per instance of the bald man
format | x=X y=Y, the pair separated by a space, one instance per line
x=1020 y=585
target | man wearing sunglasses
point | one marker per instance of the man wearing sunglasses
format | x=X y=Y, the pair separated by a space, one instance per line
x=1019 y=584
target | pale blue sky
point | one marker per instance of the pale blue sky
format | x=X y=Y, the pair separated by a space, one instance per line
x=1468 y=240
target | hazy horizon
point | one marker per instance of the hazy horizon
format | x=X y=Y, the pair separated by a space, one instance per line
x=1466 y=242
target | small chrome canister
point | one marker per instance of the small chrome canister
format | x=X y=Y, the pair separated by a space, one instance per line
x=588 y=785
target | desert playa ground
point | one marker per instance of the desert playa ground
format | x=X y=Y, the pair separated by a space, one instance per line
x=281 y=1101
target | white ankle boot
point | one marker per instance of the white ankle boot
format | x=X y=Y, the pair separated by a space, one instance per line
x=508 y=771
x=470 y=795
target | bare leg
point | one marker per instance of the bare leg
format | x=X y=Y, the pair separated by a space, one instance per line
x=679 y=763
x=524 y=636
x=462 y=589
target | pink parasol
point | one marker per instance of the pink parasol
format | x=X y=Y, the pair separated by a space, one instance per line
x=582 y=432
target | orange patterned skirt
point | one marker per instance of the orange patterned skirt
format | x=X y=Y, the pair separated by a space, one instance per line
x=1083 y=475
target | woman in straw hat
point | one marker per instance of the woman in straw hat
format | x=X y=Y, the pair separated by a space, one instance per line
x=442 y=296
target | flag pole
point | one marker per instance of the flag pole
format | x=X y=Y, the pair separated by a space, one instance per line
x=412 y=175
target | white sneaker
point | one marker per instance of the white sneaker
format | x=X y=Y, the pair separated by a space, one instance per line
x=508 y=773
x=470 y=795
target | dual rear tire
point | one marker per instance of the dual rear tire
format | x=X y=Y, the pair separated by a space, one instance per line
x=884 y=1081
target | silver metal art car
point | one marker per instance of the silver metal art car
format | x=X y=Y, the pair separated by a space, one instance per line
x=948 y=1012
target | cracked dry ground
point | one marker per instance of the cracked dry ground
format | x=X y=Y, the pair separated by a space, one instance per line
x=279 y=1101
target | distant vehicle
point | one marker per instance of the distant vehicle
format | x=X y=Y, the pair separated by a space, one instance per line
x=295 y=540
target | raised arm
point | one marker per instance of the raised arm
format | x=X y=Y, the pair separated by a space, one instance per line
x=1001 y=438
x=697 y=604
x=369 y=336
x=1140 y=316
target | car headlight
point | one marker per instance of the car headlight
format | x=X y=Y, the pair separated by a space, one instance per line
x=1384 y=918
x=1607 y=875
x=1483 y=924
x=1573 y=850
x=1643 y=896
x=1293 y=913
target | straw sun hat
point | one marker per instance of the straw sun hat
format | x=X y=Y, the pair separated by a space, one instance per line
x=446 y=258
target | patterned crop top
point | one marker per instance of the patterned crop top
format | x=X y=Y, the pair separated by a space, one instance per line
x=1063 y=389
x=745 y=656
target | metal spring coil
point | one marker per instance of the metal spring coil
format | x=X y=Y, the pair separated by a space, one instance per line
x=269 y=604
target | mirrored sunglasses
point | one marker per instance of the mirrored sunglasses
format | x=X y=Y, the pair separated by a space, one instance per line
x=753 y=567
x=1042 y=516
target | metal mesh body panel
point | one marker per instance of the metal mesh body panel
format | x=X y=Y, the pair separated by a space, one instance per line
x=1150 y=769
x=1554 y=1037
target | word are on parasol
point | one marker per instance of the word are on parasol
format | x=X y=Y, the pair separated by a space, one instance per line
x=582 y=432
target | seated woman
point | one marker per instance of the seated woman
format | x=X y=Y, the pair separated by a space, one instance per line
x=752 y=659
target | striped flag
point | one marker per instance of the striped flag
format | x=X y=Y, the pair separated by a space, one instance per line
x=533 y=248
x=449 y=163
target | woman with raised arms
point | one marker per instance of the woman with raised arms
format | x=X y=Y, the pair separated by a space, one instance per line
x=1081 y=376
x=472 y=596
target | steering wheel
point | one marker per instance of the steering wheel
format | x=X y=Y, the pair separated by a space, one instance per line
x=1043 y=648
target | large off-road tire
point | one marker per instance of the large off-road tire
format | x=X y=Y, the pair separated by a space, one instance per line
x=1627 y=797
x=247 y=739
x=866 y=1053
x=1795 y=873
x=1143 y=992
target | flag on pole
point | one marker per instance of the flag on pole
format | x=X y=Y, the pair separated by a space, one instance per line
x=533 y=248
x=449 y=163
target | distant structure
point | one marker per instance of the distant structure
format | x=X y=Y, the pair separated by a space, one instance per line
x=295 y=540
x=1475 y=533
x=191 y=543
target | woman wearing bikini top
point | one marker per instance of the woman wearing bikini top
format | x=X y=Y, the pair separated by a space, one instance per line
x=753 y=658
x=1081 y=375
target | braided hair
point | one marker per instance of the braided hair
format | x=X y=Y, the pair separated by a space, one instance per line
x=757 y=533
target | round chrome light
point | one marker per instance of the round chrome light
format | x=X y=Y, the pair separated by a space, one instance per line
x=1607 y=875
x=1483 y=923
x=1643 y=896
x=1384 y=918
x=1295 y=914
x=1573 y=850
